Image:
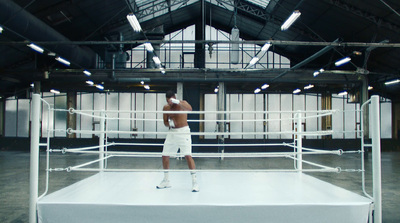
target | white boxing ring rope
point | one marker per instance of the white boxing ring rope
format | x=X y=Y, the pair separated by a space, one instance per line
x=296 y=155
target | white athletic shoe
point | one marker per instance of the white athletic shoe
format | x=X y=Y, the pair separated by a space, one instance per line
x=164 y=184
x=195 y=187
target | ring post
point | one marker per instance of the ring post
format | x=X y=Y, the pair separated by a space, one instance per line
x=376 y=158
x=34 y=160
x=299 y=147
x=101 y=141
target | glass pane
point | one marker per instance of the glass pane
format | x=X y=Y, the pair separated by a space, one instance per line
x=139 y=124
x=337 y=117
x=133 y=115
x=261 y=3
x=286 y=123
x=299 y=103
x=150 y=105
x=11 y=118
x=47 y=116
x=86 y=121
x=274 y=124
x=124 y=121
x=248 y=105
x=98 y=105
x=23 y=118
x=386 y=120
x=311 y=123
x=259 y=116
x=210 y=104
x=349 y=121
x=160 y=124
x=112 y=105
x=60 y=116
x=235 y=101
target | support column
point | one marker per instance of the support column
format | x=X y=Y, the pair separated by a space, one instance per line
x=326 y=104
x=376 y=158
x=34 y=160
x=71 y=118
x=101 y=140
x=299 y=141
x=201 y=116
x=200 y=28
x=363 y=99
x=37 y=86
x=221 y=106
x=193 y=97
x=179 y=90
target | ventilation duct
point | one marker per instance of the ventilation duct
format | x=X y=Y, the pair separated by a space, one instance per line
x=33 y=29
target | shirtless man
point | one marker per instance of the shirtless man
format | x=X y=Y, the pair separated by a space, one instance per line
x=177 y=123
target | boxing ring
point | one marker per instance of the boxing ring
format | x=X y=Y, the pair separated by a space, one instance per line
x=226 y=195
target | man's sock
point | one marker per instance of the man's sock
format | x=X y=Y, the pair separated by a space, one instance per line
x=166 y=175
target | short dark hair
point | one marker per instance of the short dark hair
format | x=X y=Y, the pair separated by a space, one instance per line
x=170 y=94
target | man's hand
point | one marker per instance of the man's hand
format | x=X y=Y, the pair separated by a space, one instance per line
x=175 y=101
x=171 y=123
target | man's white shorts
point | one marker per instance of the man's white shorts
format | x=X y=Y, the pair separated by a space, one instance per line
x=178 y=138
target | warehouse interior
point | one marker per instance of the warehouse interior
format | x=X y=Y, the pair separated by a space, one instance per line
x=89 y=54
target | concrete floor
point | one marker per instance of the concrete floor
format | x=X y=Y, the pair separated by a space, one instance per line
x=14 y=172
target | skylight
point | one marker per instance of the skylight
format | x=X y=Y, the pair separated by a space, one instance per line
x=262 y=3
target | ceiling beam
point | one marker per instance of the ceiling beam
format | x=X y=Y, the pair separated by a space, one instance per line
x=379 y=22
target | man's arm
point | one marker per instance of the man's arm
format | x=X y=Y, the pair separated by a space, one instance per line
x=185 y=105
x=165 y=116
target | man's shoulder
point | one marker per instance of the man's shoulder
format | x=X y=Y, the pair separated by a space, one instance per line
x=166 y=108
x=184 y=101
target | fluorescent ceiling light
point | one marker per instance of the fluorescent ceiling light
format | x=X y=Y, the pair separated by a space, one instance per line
x=36 y=48
x=216 y=89
x=51 y=54
x=342 y=93
x=297 y=91
x=87 y=73
x=321 y=70
x=292 y=18
x=257 y=90
x=392 y=82
x=147 y=87
x=141 y=82
x=99 y=86
x=266 y=46
x=308 y=87
x=54 y=91
x=149 y=47
x=134 y=22
x=265 y=86
x=316 y=73
x=342 y=61
x=370 y=88
x=64 y=61
x=1 y=29
x=90 y=83
x=253 y=61
x=162 y=70
x=156 y=60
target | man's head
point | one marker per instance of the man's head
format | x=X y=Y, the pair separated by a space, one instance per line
x=170 y=94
